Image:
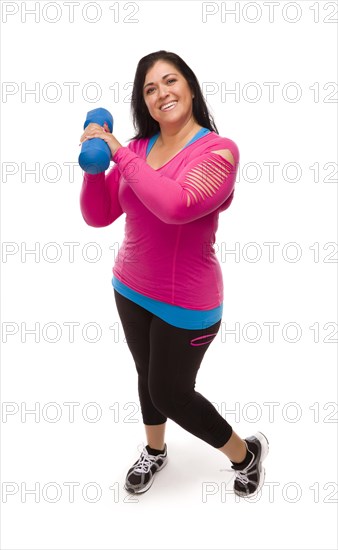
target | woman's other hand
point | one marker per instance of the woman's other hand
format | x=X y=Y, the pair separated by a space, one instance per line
x=94 y=130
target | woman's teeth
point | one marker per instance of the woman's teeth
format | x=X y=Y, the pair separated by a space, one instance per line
x=170 y=107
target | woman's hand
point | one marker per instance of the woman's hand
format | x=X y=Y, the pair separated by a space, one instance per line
x=94 y=130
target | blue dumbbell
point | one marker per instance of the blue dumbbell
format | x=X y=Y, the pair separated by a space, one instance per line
x=95 y=153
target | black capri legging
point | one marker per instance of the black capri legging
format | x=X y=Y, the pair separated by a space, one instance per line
x=167 y=359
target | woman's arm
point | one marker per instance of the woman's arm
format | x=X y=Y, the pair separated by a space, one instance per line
x=204 y=184
x=99 y=201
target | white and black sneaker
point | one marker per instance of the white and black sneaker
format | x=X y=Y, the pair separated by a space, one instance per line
x=250 y=479
x=140 y=476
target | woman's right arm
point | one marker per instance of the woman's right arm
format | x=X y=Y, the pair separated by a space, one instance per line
x=99 y=201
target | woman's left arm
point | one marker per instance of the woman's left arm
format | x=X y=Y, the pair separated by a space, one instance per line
x=204 y=184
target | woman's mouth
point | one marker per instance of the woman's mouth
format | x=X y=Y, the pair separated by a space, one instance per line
x=168 y=106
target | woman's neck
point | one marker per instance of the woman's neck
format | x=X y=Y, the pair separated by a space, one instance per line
x=170 y=138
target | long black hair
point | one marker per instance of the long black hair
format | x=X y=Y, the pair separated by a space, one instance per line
x=144 y=125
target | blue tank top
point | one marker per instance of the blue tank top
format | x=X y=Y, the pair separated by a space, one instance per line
x=174 y=315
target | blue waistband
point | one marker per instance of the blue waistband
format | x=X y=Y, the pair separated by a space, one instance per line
x=174 y=315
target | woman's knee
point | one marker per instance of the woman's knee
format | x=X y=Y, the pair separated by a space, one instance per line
x=158 y=394
x=167 y=397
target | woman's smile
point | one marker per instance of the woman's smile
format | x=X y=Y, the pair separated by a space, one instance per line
x=171 y=106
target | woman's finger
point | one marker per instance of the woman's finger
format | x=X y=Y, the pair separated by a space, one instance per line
x=93 y=130
x=92 y=134
x=87 y=134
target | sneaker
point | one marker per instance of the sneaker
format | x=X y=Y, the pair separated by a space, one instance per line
x=250 y=480
x=140 y=476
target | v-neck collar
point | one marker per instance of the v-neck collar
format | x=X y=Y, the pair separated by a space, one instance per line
x=203 y=131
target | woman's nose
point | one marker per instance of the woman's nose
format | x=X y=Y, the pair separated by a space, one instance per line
x=163 y=92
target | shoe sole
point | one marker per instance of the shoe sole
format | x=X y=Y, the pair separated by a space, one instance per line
x=130 y=488
x=264 y=453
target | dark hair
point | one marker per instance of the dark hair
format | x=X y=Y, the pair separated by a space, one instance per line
x=144 y=124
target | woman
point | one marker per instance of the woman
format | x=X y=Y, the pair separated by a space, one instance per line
x=172 y=181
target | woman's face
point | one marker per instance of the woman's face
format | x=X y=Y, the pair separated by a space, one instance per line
x=159 y=91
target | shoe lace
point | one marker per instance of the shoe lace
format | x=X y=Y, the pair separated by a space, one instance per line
x=240 y=475
x=145 y=461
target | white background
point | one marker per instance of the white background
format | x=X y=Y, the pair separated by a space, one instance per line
x=298 y=504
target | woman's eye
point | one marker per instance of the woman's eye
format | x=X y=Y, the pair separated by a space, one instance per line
x=170 y=80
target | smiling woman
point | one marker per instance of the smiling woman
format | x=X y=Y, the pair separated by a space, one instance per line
x=172 y=180
x=168 y=98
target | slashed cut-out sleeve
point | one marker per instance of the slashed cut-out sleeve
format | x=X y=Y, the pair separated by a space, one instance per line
x=204 y=184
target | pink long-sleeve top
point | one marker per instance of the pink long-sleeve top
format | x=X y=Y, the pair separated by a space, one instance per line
x=167 y=256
